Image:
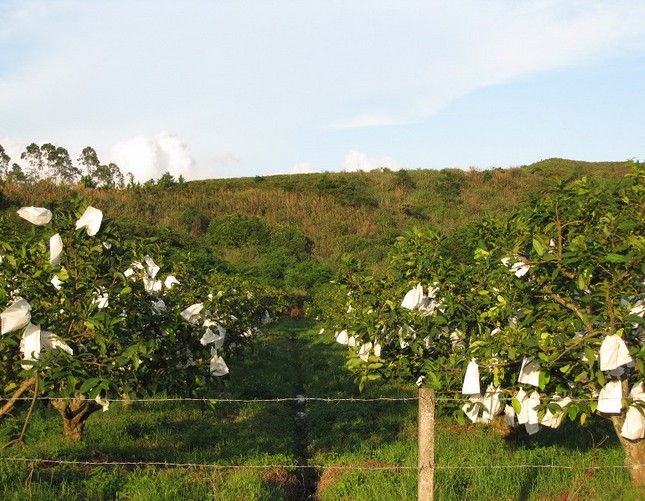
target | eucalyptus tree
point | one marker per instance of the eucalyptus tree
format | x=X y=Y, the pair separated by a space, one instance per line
x=5 y=159
x=97 y=174
x=33 y=155
x=59 y=164
x=49 y=162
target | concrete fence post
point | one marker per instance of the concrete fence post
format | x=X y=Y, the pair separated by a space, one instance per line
x=426 y=445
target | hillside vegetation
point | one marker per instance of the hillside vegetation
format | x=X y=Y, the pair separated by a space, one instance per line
x=291 y=230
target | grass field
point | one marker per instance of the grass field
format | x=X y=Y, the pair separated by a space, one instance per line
x=327 y=450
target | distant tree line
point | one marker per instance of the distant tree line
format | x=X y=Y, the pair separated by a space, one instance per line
x=48 y=161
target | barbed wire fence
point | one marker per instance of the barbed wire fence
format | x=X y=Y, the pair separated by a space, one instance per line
x=166 y=464
x=298 y=399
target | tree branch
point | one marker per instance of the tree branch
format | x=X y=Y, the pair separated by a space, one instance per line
x=567 y=304
x=24 y=426
x=8 y=407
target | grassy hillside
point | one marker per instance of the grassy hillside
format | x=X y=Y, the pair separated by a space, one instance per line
x=338 y=212
x=291 y=230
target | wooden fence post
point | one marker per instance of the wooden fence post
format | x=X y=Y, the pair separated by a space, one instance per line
x=426 y=445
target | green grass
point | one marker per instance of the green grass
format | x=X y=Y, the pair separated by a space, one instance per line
x=293 y=358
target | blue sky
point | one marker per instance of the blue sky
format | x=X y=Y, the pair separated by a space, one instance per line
x=226 y=88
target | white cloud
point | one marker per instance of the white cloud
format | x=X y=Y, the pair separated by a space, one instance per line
x=356 y=160
x=149 y=158
x=303 y=168
x=13 y=148
x=484 y=44
x=225 y=159
x=371 y=120
x=545 y=35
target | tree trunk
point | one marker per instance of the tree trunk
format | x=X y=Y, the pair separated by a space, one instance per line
x=126 y=403
x=634 y=453
x=499 y=425
x=75 y=413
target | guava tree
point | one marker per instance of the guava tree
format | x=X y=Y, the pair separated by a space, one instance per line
x=387 y=340
x=545 y=313
x=572 y=280
x=88 y=316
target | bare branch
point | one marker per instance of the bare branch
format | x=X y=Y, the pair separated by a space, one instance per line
x=8 y=407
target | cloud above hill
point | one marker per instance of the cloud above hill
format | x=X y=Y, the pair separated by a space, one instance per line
x=149 y=158
x=356 y=160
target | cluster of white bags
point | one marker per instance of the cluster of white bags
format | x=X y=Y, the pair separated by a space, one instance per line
x=192 y=315
x=18 y=314
x=364 y=349
x=427 y=303
x=34 y=340
x=613 y=355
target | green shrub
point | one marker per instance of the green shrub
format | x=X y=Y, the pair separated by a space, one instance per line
x=238 y=230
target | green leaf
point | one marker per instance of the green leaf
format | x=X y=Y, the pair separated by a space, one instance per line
x=627 y=224
x=600 y=377
x=93 y=324
x=538 y=247
x=591 y=356
x=88 y=384
x=94 y=392
x=581 y=282
x=572 y=412
x=615 y=258
x=544 y=357
x=545 y=377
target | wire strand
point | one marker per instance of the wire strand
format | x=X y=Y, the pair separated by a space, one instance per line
x=166 y=464
x=299 y=399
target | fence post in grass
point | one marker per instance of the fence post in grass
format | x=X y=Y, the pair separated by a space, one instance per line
x=426 y=445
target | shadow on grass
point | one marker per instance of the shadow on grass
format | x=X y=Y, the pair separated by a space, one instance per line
x=294 y=358
x=597 y=433
x=345 y=427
